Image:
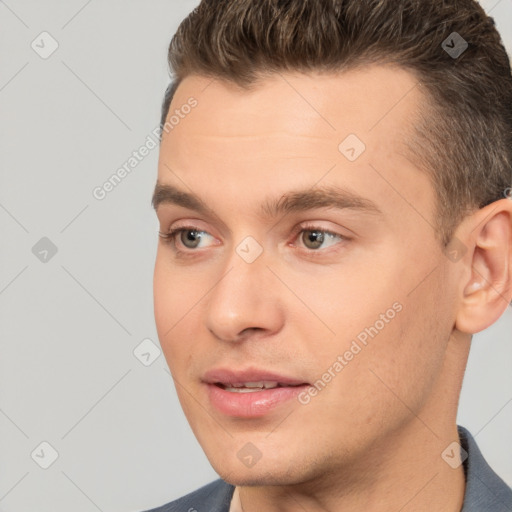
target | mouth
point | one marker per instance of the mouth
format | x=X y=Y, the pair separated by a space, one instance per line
x=250 y=393
x=251 y=387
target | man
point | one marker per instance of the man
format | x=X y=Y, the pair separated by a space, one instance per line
x=335 y=218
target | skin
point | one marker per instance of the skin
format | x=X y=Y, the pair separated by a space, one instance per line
x=372 y=439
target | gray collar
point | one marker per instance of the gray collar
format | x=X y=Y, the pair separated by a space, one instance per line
x=485 y=490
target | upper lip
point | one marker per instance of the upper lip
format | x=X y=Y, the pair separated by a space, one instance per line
x=227 y=376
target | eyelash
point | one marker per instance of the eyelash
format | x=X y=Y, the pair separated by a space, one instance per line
x=170 y=238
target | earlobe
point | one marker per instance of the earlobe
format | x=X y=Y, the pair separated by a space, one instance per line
x=488 y=290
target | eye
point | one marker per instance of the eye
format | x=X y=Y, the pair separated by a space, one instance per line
x=190 y=236
x=315 y=238
x=312 y=237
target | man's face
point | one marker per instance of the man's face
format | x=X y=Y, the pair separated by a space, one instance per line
x=345 y=297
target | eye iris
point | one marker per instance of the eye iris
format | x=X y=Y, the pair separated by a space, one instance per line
x=316 y=237
x=190 y=235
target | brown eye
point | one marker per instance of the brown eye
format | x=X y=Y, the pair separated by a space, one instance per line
x=315 y=238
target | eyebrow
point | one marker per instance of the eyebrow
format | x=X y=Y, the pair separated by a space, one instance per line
x=291 y=202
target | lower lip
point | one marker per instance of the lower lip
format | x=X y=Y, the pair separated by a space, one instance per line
x=253 y=403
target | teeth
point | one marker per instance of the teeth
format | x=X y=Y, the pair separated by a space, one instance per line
x=242 y=390
x=248 y=387
x=262 y=384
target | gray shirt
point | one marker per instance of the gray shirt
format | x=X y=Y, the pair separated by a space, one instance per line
x=485 y=490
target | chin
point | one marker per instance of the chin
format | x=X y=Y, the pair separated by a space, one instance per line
x=249 y=478
x=262 y=473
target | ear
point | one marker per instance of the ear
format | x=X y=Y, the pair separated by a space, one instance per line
x=487 y=292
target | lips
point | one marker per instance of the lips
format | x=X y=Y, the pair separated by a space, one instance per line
x=250 y=378
x=250 y=387
x=250 y=393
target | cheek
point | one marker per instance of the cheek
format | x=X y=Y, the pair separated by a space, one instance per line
x=389 y=364
x=405 y=359
x=174 y=297
x=346 y=305
x=163 y=300
x=175 y=292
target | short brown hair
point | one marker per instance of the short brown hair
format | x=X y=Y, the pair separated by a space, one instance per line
x=463 y=134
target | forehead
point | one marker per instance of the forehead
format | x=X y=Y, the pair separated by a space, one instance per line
x=293 y=128
x=363 y=97
x=317 y=111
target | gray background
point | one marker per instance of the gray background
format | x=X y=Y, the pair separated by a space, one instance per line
x=69 y=325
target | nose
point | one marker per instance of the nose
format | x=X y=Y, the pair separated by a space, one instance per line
x=245 y=301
